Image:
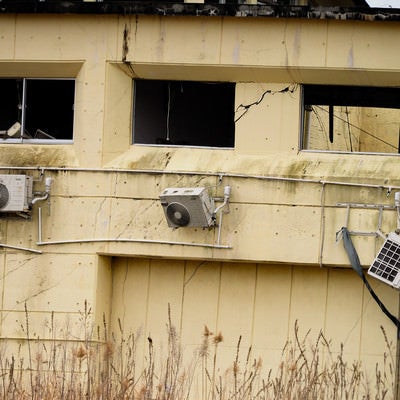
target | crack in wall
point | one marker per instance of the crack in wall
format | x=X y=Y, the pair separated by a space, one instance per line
x=192 y=275
x=36 y=294
x=99 y=208
x=140 y=212
x=246 y=107
x=17 y=268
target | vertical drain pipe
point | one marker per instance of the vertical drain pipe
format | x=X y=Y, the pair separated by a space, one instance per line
x=43 y=197
x=40 y=224
x=227 y=195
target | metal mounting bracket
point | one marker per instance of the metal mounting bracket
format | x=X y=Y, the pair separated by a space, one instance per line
x=379 y=207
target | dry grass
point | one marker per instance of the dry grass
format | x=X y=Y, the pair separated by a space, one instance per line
x=106 y=366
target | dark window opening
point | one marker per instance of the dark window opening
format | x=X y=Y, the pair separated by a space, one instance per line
x=351 y=118
x=36 y=109
x=184 y=113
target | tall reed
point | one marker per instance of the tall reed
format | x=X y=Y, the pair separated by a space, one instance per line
x=104 y=365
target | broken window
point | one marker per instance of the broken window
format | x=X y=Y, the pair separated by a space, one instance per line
x=184 y=113
x=351 y=118
x=36 y=109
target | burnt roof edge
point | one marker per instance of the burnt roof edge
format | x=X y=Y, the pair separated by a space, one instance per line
x=197 y=9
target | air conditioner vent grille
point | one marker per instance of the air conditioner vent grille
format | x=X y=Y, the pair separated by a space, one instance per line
x=4 y=195
x=178 y=214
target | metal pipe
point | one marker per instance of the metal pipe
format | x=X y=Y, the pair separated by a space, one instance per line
x=116 y=240
x=375 y=234
x=41 y=243
x=219 y=227
x=41 y=198
x=7 y=246
x=40 y=224
x=367 y=185
x=227 y=195
x=198 y=173
x=365 y=206
x=46 y=194
x=220 y=209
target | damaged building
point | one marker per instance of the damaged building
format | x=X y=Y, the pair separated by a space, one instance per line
x=201 y=164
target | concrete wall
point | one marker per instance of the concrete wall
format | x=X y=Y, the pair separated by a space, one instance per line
x=104 y=238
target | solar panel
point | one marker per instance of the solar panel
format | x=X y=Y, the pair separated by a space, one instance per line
x=386 y=266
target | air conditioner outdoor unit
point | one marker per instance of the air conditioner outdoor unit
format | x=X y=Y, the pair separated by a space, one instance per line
x=185 y=207
x=15 y=193
x=386 y=266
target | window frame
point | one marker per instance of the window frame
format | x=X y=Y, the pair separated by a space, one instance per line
x=377 y=102
x=229 y=108
x=24 y=140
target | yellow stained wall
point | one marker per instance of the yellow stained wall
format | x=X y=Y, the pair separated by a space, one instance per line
x=105 y=230
x=261 y=303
